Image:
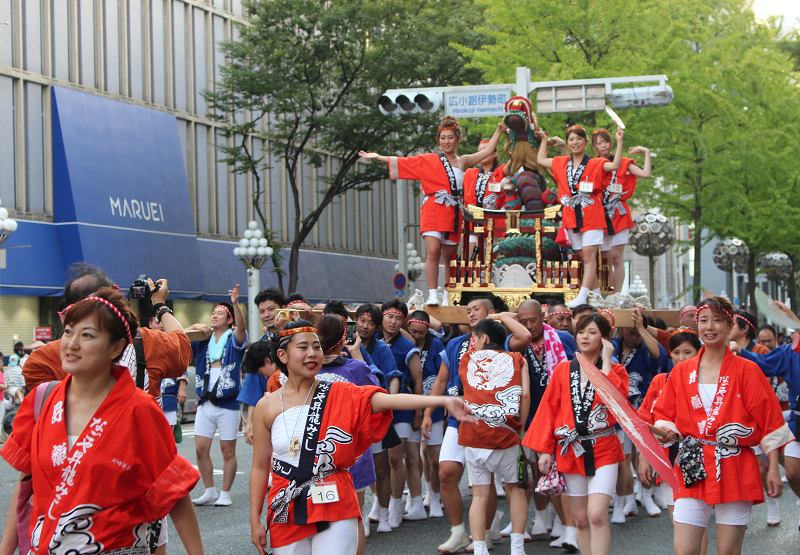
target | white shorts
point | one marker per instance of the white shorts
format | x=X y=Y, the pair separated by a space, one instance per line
x=696 y=512
x=172 y=417
x=482 y=463
x=378 y=448
x=619 y=238
x=603 y=481
x=590 y=238
x=669 y=497
x=210 y=418
x=451 y=450
x=625 y=441
x=792 y=450
x=437 y=434
x=440 y=236
x=341 y=536
x=531 y=455
x=404 y=431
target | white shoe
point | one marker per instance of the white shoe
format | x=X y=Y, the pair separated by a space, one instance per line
x=408 y=503
x=471 y=547
x=539 y=527
x=773 y=512
x=395 y=512
x=658 y=498
x=208 y=498
x=637 y=491
x=224 y=499
x=618 y=517
x=648 y=504
x=551 y=516
x=496 y=535
x=559 y=541
x=558 y=528
x=383 y=520
x=631 y=509
x=426 y=500
x=455 y=544
x=498 y=486
x=433 y=300
x=373 y=514
x=506 y=532
x=416 y=511
x=583 y=296
x=436 y=510
x=570 y=539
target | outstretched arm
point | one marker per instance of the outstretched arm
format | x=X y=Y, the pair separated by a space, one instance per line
x=373 y=156
x=382 y=402
x=637 y=171
x=469 y=160
x=542 y=158
x=611 y=166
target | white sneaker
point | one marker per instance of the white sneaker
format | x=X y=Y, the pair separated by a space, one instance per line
x=571 y=539
x=436 y=510
x=539 y=527
x=408 y=503
x=583 y=296
x=658 y=498
x=471 y=547
x=416 y=511
x=559 y=541
x=558 y=528
x=224 y=499
x=648 y=504
x=373 y=513
x=631 y=509
x=383 y=520
x=455 y=544
x=618 y=517
x=433 y=300
x=506 y=532
x=395 y=512
x=773 y=512
x=208 y=498
x=496 y=535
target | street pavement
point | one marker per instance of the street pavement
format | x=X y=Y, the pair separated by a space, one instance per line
x=226 y=530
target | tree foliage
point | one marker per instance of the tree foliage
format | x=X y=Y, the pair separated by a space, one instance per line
x=305 y=76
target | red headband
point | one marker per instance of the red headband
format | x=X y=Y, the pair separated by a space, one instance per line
x=596 y=131
x=684 y=330
x=226 y=310
x=685 y=310
x=613 y=320
x=484 y=141
x=719 y=308
x=109 y=305
x=337 y=343
x=575 y=127
x=298 y=301
x=449 y=127
x=393 y=311
x=304 y=329
x=567 y=312
x=418 y=322
x=748 y=322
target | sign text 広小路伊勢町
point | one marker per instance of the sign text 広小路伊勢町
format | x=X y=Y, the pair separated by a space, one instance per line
x=476 y=103
x=137 y=209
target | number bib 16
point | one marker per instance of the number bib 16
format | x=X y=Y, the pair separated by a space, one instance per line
x=324 y=493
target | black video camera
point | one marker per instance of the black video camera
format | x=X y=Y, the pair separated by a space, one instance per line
x=140 y=289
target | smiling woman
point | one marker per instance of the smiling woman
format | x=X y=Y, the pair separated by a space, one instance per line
x=97 y=423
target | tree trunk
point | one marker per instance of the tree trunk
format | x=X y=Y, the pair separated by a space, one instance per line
x=793 y=283
x=751 y=282
x=698 y=247
x=294 y=258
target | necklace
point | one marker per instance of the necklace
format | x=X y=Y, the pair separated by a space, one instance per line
x=294 y=444
x=66 y=404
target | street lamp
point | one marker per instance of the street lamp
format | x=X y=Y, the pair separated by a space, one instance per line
x=731 y=255
x=637 y=287
x=7 y=225
x=778 y=268
x=414 y=265
x=651 y=236
x=253 y=251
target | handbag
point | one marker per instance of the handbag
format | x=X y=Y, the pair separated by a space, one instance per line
x=552 y=483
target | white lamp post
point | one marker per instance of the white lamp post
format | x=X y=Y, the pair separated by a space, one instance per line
x=7 y=227
x=253 y=251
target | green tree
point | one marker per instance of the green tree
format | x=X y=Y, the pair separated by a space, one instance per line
x=305 y=76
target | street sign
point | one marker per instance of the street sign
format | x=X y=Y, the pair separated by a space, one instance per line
x=400 y=281
x=476 y=104
x=43 y=333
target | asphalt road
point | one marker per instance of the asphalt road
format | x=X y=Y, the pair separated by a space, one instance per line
x=227 y=530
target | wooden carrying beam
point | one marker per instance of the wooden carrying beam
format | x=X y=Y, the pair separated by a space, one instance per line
x=458 y=315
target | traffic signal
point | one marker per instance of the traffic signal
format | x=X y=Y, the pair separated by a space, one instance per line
x=640 y=97
x=398 y=103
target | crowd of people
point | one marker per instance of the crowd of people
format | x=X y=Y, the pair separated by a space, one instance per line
x=342 y=399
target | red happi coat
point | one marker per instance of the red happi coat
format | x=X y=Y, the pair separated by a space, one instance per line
x=429 y=170
x=615 y=203
x=650 y=399
x=492 y=382
x=594 y=216
x=745 y=413
x=471 y=177
x=339 y=429
x=121 y=475
x=555 y=419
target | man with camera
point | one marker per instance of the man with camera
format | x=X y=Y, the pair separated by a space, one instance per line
x=218 y=362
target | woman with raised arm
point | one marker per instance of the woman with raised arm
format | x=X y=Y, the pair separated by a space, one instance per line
x=573 y=423
x=619 y=186
x=441 y=177
x=580 y=191
x=103 y=459
x=316 y=430
x=719 y=406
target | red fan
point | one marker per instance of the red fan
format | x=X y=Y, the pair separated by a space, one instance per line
x=636 y=428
